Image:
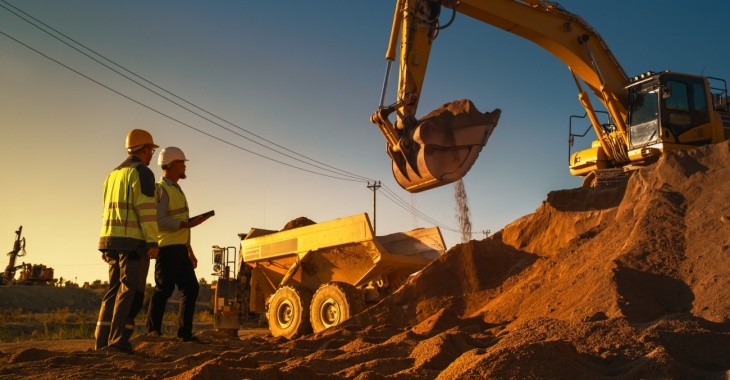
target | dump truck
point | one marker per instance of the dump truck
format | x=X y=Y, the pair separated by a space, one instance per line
x=310 y=278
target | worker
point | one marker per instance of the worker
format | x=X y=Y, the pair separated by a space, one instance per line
x=175 y=265
x=128 y=241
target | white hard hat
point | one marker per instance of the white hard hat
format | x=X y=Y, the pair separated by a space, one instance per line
x=169 y=155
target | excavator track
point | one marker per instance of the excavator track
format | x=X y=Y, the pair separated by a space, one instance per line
x=607 y=177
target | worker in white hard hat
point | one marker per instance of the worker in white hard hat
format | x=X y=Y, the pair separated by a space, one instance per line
x=175 y=264
x=128 y=240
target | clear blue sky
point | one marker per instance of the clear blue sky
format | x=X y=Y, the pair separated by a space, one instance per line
x=307 y=76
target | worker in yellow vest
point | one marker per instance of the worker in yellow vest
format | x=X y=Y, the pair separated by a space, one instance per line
x=175 y=265
x=128 y=240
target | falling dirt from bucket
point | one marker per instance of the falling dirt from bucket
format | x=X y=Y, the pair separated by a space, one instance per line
x=462 y=209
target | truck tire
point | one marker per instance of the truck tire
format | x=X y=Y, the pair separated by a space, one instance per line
x=288 y=312
x=334 y=303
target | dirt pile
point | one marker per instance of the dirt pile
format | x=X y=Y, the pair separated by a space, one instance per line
x=298 y=222
x=626 y=282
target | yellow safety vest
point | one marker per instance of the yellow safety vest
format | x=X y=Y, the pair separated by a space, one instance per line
x=129 y=221
x=177 y=208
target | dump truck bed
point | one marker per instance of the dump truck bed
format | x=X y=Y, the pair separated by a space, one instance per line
x=340 y=250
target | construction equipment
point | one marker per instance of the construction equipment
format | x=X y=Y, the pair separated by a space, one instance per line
x=18 y=251
x=316 y=276
x=30 y=274
x=647 y=115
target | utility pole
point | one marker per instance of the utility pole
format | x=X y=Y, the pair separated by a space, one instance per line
x=374 y=186
x=486 y=233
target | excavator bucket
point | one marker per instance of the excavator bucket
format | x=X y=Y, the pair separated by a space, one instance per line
x=442 y=147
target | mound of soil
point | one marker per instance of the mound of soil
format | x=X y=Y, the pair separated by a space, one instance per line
x=298 y=222
x=620 y=282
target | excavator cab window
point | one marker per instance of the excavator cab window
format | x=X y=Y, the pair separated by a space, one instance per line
x=643 y=118
x=686 y=107
x=644 y=106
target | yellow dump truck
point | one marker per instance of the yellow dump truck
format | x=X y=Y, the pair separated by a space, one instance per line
x=316 y=276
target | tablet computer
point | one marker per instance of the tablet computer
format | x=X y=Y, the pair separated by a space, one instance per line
x=209 y=213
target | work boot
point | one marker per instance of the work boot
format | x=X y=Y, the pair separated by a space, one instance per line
x=125 y=348
x=127 y=333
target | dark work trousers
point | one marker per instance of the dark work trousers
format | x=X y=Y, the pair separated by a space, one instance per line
x=174 y=268
x=124 y=299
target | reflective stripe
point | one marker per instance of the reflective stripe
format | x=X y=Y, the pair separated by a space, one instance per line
x=177 y=211
x=128 y=212
x=100 y=323
x=147 y=206
x=148 y=218
x=121 y=223
x=119 y=205
x=177 y=208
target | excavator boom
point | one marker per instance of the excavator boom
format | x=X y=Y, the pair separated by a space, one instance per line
x=443 y=146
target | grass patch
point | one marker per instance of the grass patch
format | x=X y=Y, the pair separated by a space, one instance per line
x=17 y=325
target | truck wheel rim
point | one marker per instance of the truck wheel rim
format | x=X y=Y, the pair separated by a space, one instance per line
x=329 y=312
x=285 y=314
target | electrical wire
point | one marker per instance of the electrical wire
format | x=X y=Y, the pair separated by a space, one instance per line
x=341 y=174
x=398 y=201
x=326 y=167
x=174 y=119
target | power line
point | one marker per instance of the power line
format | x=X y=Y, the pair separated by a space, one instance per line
x=390 y=194
x=341 y=174
x=174 y=119
x=417 y=213
x=393 y=197
x=326 y=167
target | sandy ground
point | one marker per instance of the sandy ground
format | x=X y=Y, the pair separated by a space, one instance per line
x=625 y=282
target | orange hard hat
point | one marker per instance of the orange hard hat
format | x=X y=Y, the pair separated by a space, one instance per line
x=137 y=137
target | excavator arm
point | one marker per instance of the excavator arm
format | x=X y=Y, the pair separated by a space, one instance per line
x=442 y=147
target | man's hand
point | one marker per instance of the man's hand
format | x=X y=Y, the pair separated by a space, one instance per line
x=197 y=221
x=152 y=252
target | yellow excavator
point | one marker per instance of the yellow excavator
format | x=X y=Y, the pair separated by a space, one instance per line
x=647 y=114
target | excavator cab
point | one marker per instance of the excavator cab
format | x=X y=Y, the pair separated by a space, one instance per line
x=441 y=147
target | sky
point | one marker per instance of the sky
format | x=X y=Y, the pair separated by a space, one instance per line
x=305 y=76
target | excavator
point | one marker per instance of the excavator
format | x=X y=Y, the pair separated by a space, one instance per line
x=647 y=115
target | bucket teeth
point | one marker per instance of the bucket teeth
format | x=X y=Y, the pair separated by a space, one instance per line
x=442 y=147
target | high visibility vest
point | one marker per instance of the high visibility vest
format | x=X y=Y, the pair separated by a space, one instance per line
x=129 y=220
x=177 y=208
